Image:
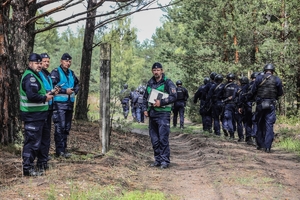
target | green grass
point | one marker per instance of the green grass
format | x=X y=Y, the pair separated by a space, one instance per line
x=289 y=144
x=98 y=192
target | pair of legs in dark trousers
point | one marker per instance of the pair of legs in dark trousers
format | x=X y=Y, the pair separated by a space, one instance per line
x=266 y=120
x=32 y=141
x=43 y=153
x=159 y=130
x=62 y=122
x=216 y=113
x=178 y=108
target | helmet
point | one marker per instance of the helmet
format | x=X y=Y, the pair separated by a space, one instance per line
x=178 y=82
x=141 y=90
x=206 y=80
x=230 y=76
x=244 y=80
x=254 y=74
x=212 y=75
x=270 y=67
x=125 y=86
x=218 y=78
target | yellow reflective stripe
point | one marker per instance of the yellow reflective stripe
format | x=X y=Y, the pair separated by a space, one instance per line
x=31 y=104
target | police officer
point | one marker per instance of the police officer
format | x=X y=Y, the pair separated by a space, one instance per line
x=125 y=97
x=180 y=103
x=215 y=103
x=139 y=106
x=34 y=113
x=159 y=115
x=201 y=95
x=229 y=93
x=63 y=103
x=133 y=98
x=249 y=114
x=43 y=153
x=268 y=89
x=240 y=108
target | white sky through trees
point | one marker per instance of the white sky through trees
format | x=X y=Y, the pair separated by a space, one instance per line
x=146 y=22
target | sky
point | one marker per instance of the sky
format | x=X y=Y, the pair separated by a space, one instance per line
x=146 y=22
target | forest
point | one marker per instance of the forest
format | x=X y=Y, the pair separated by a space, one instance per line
x=197 y=37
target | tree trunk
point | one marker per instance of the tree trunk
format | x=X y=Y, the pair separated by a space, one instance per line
x=16 y=42
x=81 y=109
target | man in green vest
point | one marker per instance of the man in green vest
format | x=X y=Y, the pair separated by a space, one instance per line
x=158 y=97
x=34 y=112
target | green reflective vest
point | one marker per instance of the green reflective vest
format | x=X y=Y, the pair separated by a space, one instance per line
x=166 y=108
x=25 y=104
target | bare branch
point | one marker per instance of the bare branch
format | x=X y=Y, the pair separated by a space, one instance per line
x=64 y=22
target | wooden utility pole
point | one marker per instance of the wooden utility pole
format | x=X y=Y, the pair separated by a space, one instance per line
x=105 y=128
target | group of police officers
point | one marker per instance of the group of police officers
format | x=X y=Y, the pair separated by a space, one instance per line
x=249 y=106
x=45 y=96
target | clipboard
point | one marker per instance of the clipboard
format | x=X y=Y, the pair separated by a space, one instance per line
x=156 y=94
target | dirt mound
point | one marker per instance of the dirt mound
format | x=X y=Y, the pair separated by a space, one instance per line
x=202 y=167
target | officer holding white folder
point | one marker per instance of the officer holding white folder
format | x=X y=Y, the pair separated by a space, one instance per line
x=158 y=109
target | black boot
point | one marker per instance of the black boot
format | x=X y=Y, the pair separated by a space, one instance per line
x=231 y=135
x=225 y=132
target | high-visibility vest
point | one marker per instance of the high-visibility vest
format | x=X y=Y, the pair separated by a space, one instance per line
x=27 y=105
x=47 y=81
x=161 y=88
x=68 y=83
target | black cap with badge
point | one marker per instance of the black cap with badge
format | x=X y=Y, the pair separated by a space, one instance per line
x=66 y=56
x=34 y=57
x=45 y=55
x=156 y=65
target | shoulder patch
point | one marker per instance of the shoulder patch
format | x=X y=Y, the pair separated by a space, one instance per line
x=173 y=90
x=32 y=79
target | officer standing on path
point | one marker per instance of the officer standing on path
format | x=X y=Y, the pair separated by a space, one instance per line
x=159 y=115
x=268 y=89
x=63 y=103
x=201 y=95
x=34 y=112
x=215 y=102
x=241 y=107
x=180 y=103
x=43 y=153
x=229 y=93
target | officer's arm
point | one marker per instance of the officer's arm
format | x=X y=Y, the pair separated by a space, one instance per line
x=32 y=89
x=171 y=90
x=197 y=95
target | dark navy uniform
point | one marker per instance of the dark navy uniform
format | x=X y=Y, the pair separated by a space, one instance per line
x=179 y=105
x=268 y=88
x=159 y=118
x=230 y=89
x=214 y=101
x=241 y=107
x=133 y=98
x=34 y=113
x=139 y=106
x=63 y=105
x=43 y=153
x=201 y=95
x=125 y=98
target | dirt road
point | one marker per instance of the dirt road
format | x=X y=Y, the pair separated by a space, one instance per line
x=202 y=167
